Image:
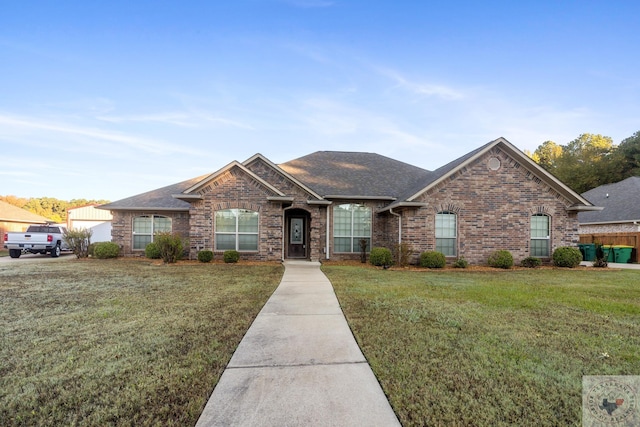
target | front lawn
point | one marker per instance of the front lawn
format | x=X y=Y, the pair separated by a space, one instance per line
x=491 y=348
x=120 y=342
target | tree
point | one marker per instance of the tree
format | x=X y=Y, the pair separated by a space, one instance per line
x=547 y=154
x=584 y=163
x=588 y=162
x=629 y=151
x=48 y=207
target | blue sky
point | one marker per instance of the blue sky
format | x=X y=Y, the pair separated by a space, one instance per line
x=108 y=99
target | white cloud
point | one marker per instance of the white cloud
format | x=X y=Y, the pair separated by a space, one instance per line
x=436 y=90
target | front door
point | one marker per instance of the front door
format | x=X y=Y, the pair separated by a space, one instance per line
x=297 y=241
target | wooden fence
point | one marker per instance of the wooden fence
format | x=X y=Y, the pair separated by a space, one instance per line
x=626 y=239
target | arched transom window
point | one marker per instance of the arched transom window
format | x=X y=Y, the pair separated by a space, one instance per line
x=446 y=233
x=540 y=236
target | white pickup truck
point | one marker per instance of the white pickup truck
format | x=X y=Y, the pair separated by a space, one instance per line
x=38 y=239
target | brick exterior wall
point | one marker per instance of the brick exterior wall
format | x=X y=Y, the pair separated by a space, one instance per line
x=122 y=228
x=493 y=207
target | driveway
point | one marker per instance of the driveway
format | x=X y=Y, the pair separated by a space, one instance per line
x=38 y=258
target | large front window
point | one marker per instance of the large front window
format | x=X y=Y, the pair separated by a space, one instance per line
x=146 y=226
x=540 y=235
x=351 y=223
x=237 y=229
x=446 y=233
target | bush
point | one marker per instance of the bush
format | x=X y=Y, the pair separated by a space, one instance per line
x=231 y=256
x=103 y=250
x=402 y=254
x=601 y=260
x=432 y=259
x=461 y=263
x=205 y=256
x=567 y=256
x=531 y=262
x=152 y=251
x=171 y=247
x=501 y=259
x=92 y=246
x=380 y=257
x=78 y=241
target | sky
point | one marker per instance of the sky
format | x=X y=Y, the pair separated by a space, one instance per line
x=107 y=99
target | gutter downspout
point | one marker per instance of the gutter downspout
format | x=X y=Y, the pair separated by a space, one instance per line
x=326 y=255
x=399 y=224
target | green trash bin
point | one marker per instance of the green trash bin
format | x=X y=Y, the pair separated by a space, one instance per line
x=609 y=254
x=622 y=254
x=588 y=251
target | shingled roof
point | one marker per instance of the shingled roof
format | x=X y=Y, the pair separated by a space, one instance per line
x=159 y=199
x=349 y=175
x=621 y=202
x=340 y=174
x=11 y=213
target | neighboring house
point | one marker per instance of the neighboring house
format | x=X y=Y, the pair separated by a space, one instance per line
x=88 y=217
x=618 y=223
x=320 y=207
x=13 y=218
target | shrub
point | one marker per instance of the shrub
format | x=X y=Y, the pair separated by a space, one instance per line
x=601 y=260
x=103 y=250
x=531 y=262
x=91 y=248
x=152 y=251
x=205 y=256
x=363 y=243
x=432 y=259
x=78 y=240
x=380 y=257
x=170 y=245
x=501 y=259
x=402 y=254
x=231 y=256
x=567 y=256
x=461 y=263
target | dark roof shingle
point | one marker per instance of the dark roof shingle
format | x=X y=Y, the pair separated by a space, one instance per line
x=340 y=173
x=160 y=199
x=621 y=202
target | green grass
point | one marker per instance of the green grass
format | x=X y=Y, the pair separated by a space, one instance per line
x=495 y=348
x=120 y=342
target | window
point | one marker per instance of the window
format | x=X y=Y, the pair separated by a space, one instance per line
x=446 y=233
x=144 y=227
x=540 y=235
x=351 y=223
x=237 y=229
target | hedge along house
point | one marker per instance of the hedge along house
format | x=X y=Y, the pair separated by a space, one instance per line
x=320 y=206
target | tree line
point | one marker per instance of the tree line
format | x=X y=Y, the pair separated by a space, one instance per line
x=590 y=161
x=49 y=207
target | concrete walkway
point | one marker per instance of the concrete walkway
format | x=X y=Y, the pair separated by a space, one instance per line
x=299 y=364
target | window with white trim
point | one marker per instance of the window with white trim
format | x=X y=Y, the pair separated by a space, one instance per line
x=146 y=226
x=351 y=223
x=236 y=229
x=540 y=236
x=446 y=233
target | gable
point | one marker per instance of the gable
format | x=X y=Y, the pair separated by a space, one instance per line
x=500 y=150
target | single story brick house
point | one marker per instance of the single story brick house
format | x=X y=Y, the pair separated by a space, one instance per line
x=320 y=206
